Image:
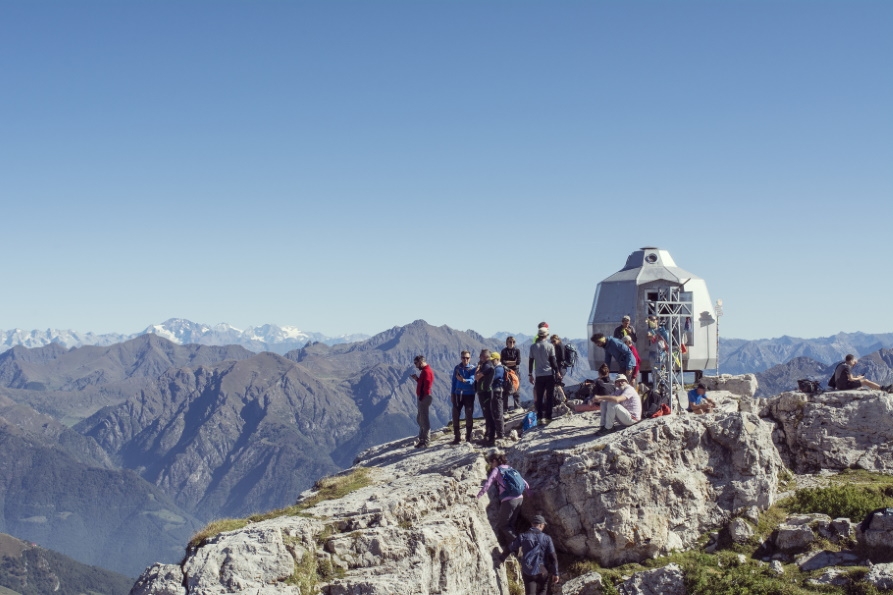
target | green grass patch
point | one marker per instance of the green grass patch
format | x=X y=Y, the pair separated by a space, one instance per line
x=853 y=501
x=327 y=488
x=215 y=528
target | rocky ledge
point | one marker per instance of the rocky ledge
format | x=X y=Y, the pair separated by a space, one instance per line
x=630 y=496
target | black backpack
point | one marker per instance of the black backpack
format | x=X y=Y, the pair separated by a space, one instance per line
x=832 y=382
x=810 y=387
x=570 y=356
x=652 y=401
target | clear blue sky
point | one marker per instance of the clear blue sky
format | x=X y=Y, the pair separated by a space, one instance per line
x=351 y=166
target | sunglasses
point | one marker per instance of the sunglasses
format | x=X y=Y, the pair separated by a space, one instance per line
x=465 y=357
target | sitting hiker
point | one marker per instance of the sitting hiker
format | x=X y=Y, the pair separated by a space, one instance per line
x=603 y=387
x=698 y=401
x=537 y=555
x=511 y=488
x=844 y=379
x=624 y=407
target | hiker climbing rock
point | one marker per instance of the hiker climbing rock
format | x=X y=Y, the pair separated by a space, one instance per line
x=511 y=488
x=539 y=563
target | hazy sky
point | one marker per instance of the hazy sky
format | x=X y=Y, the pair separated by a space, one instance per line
x=351 y=166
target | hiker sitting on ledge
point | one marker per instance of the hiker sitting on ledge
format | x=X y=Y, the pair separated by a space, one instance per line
x=601 y=387
x=844 y=379
x=623 y=408
x=698 y=401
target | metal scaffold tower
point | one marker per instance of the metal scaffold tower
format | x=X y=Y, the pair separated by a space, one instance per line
x=674 y=311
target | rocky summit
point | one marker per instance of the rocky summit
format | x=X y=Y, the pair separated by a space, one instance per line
x=414 y=525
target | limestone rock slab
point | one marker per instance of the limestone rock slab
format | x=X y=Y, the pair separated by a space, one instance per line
x=834 y=430
x=649 y=489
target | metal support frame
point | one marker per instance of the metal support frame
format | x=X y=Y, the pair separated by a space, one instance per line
x=672 y=307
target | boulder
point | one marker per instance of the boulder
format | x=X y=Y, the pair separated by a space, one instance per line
x=586 y=584
x=668 y=580
x=834 y=430
x=417 y=529
x=793 y=538
x=160 y=579
x=842 y=529
x=776 y=567
x=824 y=559
x=879 y=535
x=881 y=576
x=648 y=489
x=740 y=530
x=743 y=385
x=835 y=577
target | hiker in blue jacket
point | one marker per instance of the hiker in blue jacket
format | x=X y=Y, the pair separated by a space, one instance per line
x=537 y=554
x=511 y=492
x=462 y=396
x=616 y=349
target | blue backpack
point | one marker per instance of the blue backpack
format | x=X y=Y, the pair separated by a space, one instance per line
x=532 y=560
x=529 y=421
x=514 y=483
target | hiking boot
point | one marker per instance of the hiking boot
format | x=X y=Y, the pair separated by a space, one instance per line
x=456 y=440
x=602 y=431
x=422 y=445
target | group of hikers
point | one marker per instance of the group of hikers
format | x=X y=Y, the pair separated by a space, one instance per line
x=494 y=380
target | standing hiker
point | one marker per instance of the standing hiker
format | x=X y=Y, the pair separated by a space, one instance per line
x=511 y=492
x=462 y=396
x=424 y=383
x=511 y=359
x=543 y=368
x=538 y=559
x=483 y=375
x=497 y=386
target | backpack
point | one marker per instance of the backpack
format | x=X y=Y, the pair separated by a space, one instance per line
x=810 y=387
x=570 y=356
x=533 y=559
x=653 y=402
x=514 y=483
x=529 y=421
x=511 y=382
x=832 y=382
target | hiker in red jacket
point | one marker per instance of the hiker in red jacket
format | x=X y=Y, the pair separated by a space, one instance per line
x=424 y=382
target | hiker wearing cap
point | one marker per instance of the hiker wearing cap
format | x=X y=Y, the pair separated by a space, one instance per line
x=483 y=376
x=462 y=396
x=497 y=386
x=623 y=408
x=539 y=563
x=616 y=349
x=698 y=401
x=625 y=330
x=511 y=359
x=543 y=374
x=511 y=487
x=424 y=383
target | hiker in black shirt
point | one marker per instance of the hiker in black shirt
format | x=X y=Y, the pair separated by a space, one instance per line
x=844 y=379
x=537 y=552
x=625 y=328
x=511 y=359
x=483 y=378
